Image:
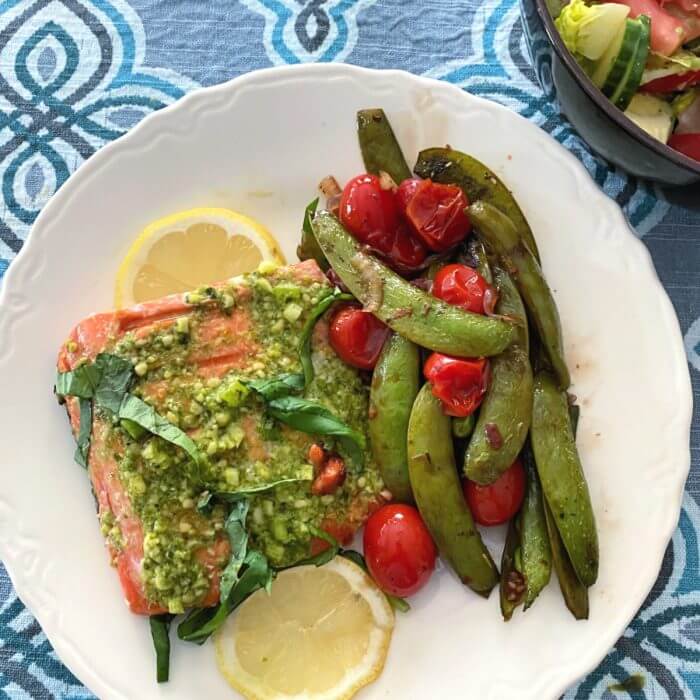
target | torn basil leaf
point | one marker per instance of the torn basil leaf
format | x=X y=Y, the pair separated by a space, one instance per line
x=315 y=419
x=116 y=375
x=304 y=348
x=160 y=633
x=238 y=538
x=277 y=387
x=80 y=382
x=84 y=432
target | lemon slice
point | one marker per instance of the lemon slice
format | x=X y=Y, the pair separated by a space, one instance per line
x=189 y=249
x=321 y=634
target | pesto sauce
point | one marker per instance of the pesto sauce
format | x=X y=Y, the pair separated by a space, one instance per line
x=243 y=447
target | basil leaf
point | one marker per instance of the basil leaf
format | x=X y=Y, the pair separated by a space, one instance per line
x=313 y=418
x=309 y=213
x=204 y=503
x=116 y=376
x=322 y=557
x=238 y=537
x=304 y=349
x=84 y=432
x=400 y=604
x=200 y=624
x=276 y=387
x=81 y=382
x=138 y=411
x=160 y=633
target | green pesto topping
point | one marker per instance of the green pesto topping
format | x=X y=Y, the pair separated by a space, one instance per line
x=243 y=446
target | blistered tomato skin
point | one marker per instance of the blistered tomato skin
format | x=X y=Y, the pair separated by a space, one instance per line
x=461 y=286
x=436 y=213
x=399 y=551
x=405 y=192
x=357 y=336
x=369 y=213
x=459 y=383
x=497 y=503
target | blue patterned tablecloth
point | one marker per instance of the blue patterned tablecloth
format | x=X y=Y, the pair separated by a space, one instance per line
x=75 y=74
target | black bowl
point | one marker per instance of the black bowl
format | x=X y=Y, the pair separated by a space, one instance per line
x=602 y=125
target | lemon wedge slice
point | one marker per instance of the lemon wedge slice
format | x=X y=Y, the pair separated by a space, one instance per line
x=321 y=634
x=190 y=249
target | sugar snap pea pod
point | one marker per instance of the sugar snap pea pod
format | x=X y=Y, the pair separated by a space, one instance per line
x=561 y=475
x=308 y=248
x=574 y=592
x=463 y=427
x=500 y=236
x=512 y=587
x=476 y=251
x=438 y=494
x=477 y=182
x=409 y=311
x=507 y=407
x=380 y=149
x=536 y=553
x=394 y=388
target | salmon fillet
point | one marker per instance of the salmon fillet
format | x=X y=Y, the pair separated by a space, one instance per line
x=189 y=353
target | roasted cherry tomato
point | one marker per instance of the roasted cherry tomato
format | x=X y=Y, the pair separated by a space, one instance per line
x=399 y=550
x=498 y=502
x=405 y=192
x=371 y=215
x=436 y=214
x=689 y=144
x=461 y=286
x=460 y=384
x=673 y=83
x=357 y=336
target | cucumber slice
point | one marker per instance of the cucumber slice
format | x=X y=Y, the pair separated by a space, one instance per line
x=652 y=114
x=629 y=86
x=613 y=64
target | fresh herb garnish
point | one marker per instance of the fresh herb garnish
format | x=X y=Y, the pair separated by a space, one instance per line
x=311 y=417
x=107 y=381
x=304 y=348
x=276 y=387
x=238 y=537
x=160 y=633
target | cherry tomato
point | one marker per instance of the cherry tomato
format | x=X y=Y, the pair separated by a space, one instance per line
x=461 y=286
x=460 y=384
x=405 y=192
x=689 y=144
x=436 y=214
x=357 y=336
x=498 y=502
x=673 y=83
x=399 y=550
x=371 y=215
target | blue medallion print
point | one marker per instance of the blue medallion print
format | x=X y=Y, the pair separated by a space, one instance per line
x=500 y=70
x=302 y=31
x=72 y=78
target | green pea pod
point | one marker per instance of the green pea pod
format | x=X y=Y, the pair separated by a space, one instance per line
x=394 y=388
x=479 y=259
x=308 y=248
x=477 y=182
x=507 y=407
x=574 y=592
x=536 y=553
x=407 y=310
x=561 y=474
x=380 y=149
x=438 y=494
x=512 y=583
x=500 y=235
x=463 y=427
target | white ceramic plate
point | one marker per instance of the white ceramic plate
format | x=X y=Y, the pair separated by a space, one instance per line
x=260 y=144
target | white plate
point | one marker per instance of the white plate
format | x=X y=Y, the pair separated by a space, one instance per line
x=260 y=144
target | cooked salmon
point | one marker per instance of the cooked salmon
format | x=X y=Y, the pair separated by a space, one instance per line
x=189 y=352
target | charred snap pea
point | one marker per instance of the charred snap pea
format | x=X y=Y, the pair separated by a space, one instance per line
x=536 y=553
x=574 y=592
x=380 y=149
x=394 y=389
x=507 y=407
x=513 y=585
x=500 y=235
x=409 y=311
x=477 y=182
x=563 y=482
x=438 y=494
